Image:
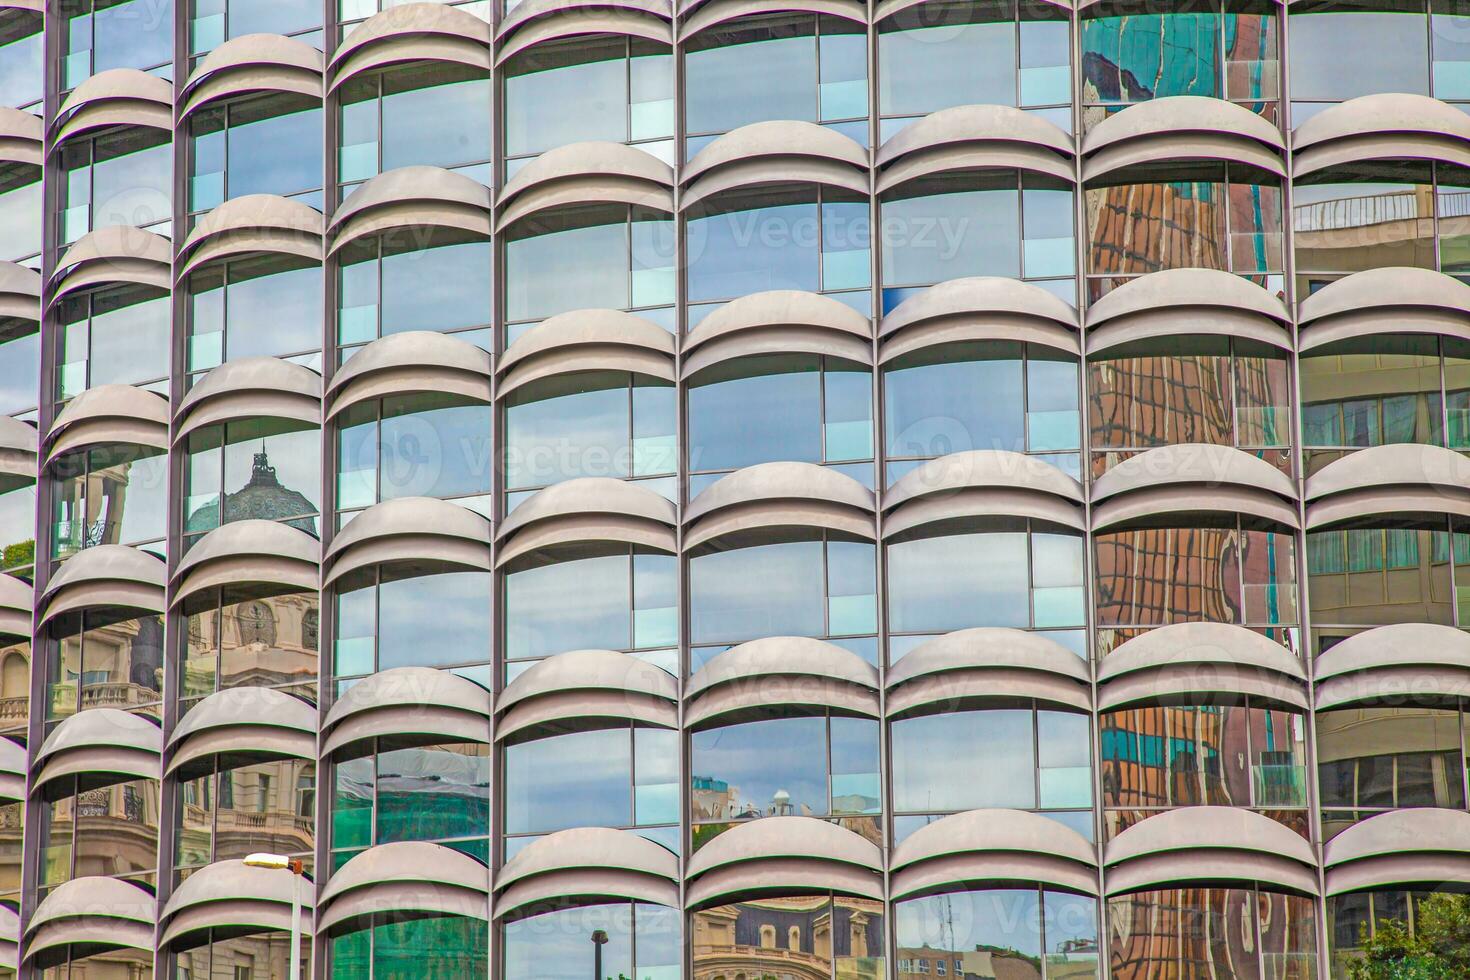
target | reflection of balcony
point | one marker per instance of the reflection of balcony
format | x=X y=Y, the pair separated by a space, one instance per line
x=121 y=694
x=728 y=961
x=13 y=711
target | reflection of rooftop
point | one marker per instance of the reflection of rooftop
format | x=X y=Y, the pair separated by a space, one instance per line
x=263 y=497
x=1376 y=209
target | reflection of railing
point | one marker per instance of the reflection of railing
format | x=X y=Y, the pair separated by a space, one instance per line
x=1375 y=209
x=1355 y=212
x=13 y=710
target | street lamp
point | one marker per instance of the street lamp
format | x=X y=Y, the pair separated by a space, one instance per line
x=599 y=940
x=279 y=862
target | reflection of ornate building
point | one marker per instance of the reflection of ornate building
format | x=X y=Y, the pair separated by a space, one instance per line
x=248 y=958
x=797 y=938
x=263 y=643
x=262 y=497
x=1210 y=932
x=112 y=830
x=118 y=666
x=15 y=687
x=265 y=807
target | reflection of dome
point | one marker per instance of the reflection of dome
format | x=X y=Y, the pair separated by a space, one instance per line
x=262 y=497
x=781 y=797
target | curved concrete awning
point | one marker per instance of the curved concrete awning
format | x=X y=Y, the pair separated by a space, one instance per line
x=775 y=854
x=251 y=388
x=779 y=495
x=21 y=137
x=993 y=847
x=987 y=662
x=586 y=866
x=12 y=770
x=412 y=197
x=412 y=32
x=96 y=912
x=1195 y=846
x=982 y=483
x=118 y=97
x=588 y=340
x=258 y=724
x=253 y=63
x=1187 y=302
x=1375 y=302
x=427 y=705
x=414 y=362
x=535 y=22
x=780 y=672
x=776 y=152
x=586 y=690
x=1416 y=849
x=588 y=509
x=1192 y=478
x=98 y=741
x=20 y=292
x=701 y=15
x=431 y=534
x=415 y=878
x=253 y=553
x=782 y=321
x=974 y=137
x=1400 y=478
x=18 y=448
x=586 y=173
x=1378 y=127
x=107 y=575
x=16 y=603
x=234 y=897
x=1189 y=661
x=978 y=308
x=108 y=415
x=251 y=225
x=1406 y=663
x=113 y=254
x=1180 y=128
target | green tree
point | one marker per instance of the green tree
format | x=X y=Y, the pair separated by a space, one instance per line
x=1438 y=949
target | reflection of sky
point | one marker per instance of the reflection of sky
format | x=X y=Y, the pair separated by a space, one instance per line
x=935 y=409
x=756 y=420
x=540 y=620
x=732 y=85
x=133 y=35
x=21 y=71
x=772 y=590
x=760 y=758
x=437 y=288
x=947 y=65
x=275 y=315
x=434 y=619
x=958 y=581
x=964 y=760
x=583 y=434
x=276 y=155
x=566 y=105
x=437 y=125
x=20 y=362
x=583 y=779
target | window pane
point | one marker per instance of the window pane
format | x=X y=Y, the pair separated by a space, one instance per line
x=582 y=779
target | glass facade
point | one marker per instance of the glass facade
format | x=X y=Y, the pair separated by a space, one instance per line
x=722 y=491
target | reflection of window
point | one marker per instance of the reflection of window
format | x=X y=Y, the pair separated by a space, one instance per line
x=1371 y=576
x=1385 y=758
x=257 y=623
x=310 y=628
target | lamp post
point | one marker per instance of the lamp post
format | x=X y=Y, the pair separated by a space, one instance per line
x=599 y=939
x=279 y=862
